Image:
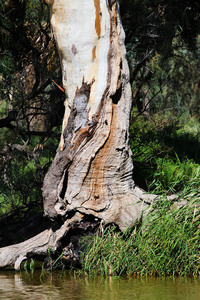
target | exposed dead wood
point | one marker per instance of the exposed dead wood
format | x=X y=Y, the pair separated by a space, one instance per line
x=36 y=246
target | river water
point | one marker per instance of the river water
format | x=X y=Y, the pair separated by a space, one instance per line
x=59 y=286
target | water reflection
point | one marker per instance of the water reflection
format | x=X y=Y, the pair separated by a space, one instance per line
x=19 y=286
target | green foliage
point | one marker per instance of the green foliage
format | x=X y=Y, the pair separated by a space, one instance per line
x=162 y=41
x=22 y=177
x=165 y=152
x=167 y=243
x=31 y=108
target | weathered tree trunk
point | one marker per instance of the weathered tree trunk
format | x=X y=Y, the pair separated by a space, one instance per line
x=92 y=171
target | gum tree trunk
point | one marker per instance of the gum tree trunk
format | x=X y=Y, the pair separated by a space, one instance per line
x=92 y=170
x=91 y=175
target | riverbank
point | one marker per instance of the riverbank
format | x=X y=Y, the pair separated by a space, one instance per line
x=165 y=243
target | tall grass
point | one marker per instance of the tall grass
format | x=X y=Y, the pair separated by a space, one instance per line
x=171 y=175
x=166 y=243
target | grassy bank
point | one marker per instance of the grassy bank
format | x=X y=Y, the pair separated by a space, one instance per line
x=165 y=243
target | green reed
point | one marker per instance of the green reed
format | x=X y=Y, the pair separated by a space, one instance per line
x=165 y=243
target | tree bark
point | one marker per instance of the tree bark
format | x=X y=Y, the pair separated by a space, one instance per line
x=91 y=173
x=92 y=170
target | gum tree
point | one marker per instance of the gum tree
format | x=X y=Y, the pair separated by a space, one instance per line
x=91 y=174
x=92 y=170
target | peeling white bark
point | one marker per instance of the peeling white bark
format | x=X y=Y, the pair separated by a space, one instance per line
x=92 y=170
x=82 y=33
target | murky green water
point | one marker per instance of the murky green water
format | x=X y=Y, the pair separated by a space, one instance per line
x=60 y=286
